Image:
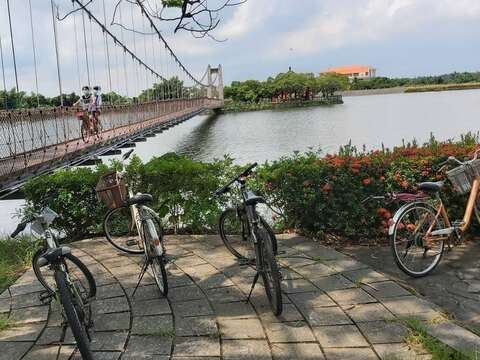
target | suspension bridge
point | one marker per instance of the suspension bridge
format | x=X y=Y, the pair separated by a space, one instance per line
x=56 y=47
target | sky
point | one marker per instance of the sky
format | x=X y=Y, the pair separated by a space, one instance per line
x=262 y=37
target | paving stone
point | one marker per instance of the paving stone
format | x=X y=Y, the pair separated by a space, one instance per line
x=152 y=325
x=42 y=353
x=225 y=294
x=109 y=291
x=346 y=264
x=192 y=308
x=286 y=332
x=289 y=313
x=333 y=282
x=456 y=337
x=196 y=346
x=241 y=329
x=396 y=351
x=147 y=292
x=139 y=346
x=5 y=305
x=246 y=350
x=339 y=336
x=351 y=296
x=109 y=341
x=311 y=300
x=50 y=336
x=288 y=274
x=235 y=310
x=104 y=279
x=236 y=270
x=297 y=286
x=407 y=305
x=66 y=352
x=112 y=305
x=13 y=350
x=112 y=322
x=28 y=332
x=200 y=272
x=365 y=276
x=368 y=312
x=196 y=326
x=314 y=271
x=22 y=289
x=29 y=315
x=186 y=293
x=294 y=351
x=5 y=295
x=322 y=316
x=151 y=357
x=385 y=290
x=175 y=281
x=151 y=307
x=215 y=281
x=55 y=317
x=188 y=261
x=381 y=332
x=28 y=300
x=352 y=354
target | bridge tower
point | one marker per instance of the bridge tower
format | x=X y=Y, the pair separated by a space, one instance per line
x=212 y=90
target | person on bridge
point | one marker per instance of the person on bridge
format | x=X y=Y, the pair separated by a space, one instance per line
x=95 y=107
x=85 y=99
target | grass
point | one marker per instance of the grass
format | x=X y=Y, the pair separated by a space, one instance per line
x=15 y=257
x=443 y=87
x=4 y=323
x=439 y=351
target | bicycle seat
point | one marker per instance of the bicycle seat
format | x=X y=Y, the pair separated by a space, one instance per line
x=139 y=199
x=253 y=199
x=432 y=187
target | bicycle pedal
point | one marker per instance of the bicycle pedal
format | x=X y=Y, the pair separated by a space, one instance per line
x=246 y=262
x=46 y=298
x=131 y=242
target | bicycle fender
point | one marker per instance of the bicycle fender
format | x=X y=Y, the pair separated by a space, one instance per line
x=400 y=211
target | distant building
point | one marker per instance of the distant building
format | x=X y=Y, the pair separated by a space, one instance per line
x=360 y=72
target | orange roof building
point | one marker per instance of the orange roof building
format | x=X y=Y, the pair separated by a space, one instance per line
x=353 y=71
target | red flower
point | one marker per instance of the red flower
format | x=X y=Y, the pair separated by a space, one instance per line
x=382 y=178
x=367 y=181
x=425 y=173
x=411 y=227
x=404 y=184
x=327 y=187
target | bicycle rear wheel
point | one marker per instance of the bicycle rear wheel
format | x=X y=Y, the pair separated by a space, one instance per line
x=234 y=232
x=121 y=230
x=159 y=273
x=269 y=271
x=85 y=131
x=77 y=327
x=77 y=270
x=413 y=254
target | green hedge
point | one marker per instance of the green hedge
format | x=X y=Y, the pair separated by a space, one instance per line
x=318 y=194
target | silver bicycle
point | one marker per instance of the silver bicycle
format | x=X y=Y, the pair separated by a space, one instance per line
x=135 y=228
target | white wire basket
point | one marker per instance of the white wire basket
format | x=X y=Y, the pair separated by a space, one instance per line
x=462 y=177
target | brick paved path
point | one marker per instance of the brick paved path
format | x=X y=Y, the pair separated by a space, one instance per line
x=335 y=308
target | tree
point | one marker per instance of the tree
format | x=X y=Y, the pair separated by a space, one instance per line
x=329 y=83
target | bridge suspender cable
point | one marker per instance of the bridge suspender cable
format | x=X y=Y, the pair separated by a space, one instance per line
x=3 y=74
x=85 y=49
x=77 y=54
x=107 y=49
x=13 y=46
x=56 y=53
x=34 y=51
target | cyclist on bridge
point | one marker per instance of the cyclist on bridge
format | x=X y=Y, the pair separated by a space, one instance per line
x=95 y=107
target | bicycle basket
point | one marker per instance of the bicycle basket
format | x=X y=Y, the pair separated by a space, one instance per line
x=475 y=168
x=111 y=190
x=460 y=179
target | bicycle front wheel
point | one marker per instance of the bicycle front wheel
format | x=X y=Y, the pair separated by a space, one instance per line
x=121 y=230
x=85 y=131
x=269 y=271
x=414 y=254
x=77 y=327
x=77 y=270
x=234 y=233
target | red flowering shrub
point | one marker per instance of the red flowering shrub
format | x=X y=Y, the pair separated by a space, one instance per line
x=338 y=183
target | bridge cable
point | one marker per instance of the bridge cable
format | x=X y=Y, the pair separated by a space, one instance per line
x=124 y=51
x=13 y=46
x=135 y=50
x=92 y=56
x=85 y=48
x=56 y=53
x=34 y=51
x=3 y=74
x=108 y=53
x=77 y=53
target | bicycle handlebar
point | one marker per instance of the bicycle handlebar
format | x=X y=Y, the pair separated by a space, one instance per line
x=224 y=189
x=21 y=227
x=127 y=154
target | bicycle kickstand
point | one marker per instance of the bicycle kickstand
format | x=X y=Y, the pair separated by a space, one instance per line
x=255 y=279
x=142 y=273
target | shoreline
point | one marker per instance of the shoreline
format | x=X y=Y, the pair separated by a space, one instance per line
x=246 y=107
x=411 y=89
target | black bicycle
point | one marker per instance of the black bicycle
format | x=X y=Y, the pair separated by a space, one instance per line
x=64 y=277
x=244 y=231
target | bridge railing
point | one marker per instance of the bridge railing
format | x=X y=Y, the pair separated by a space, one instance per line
x=29 y=138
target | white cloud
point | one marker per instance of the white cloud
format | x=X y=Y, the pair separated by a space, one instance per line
x=246 y=18
x=353 y=22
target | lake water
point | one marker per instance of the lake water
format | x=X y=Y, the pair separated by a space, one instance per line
x=267 y=135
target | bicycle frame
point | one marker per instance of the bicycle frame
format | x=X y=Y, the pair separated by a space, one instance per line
x=467 y=217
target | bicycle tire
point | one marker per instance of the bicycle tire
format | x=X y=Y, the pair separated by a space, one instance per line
x=269 y=271
x=228 y=243
x=162 y=284
x=85 y=132
x=113 y=241
x=71 y=314
x=477 y=209
x=92 y=286
x=393 y=236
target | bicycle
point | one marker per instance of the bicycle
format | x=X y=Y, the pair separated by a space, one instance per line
x=132 y=227
x=254 y=235
x=90 y=125
x=419 y=230
x=57 y=262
